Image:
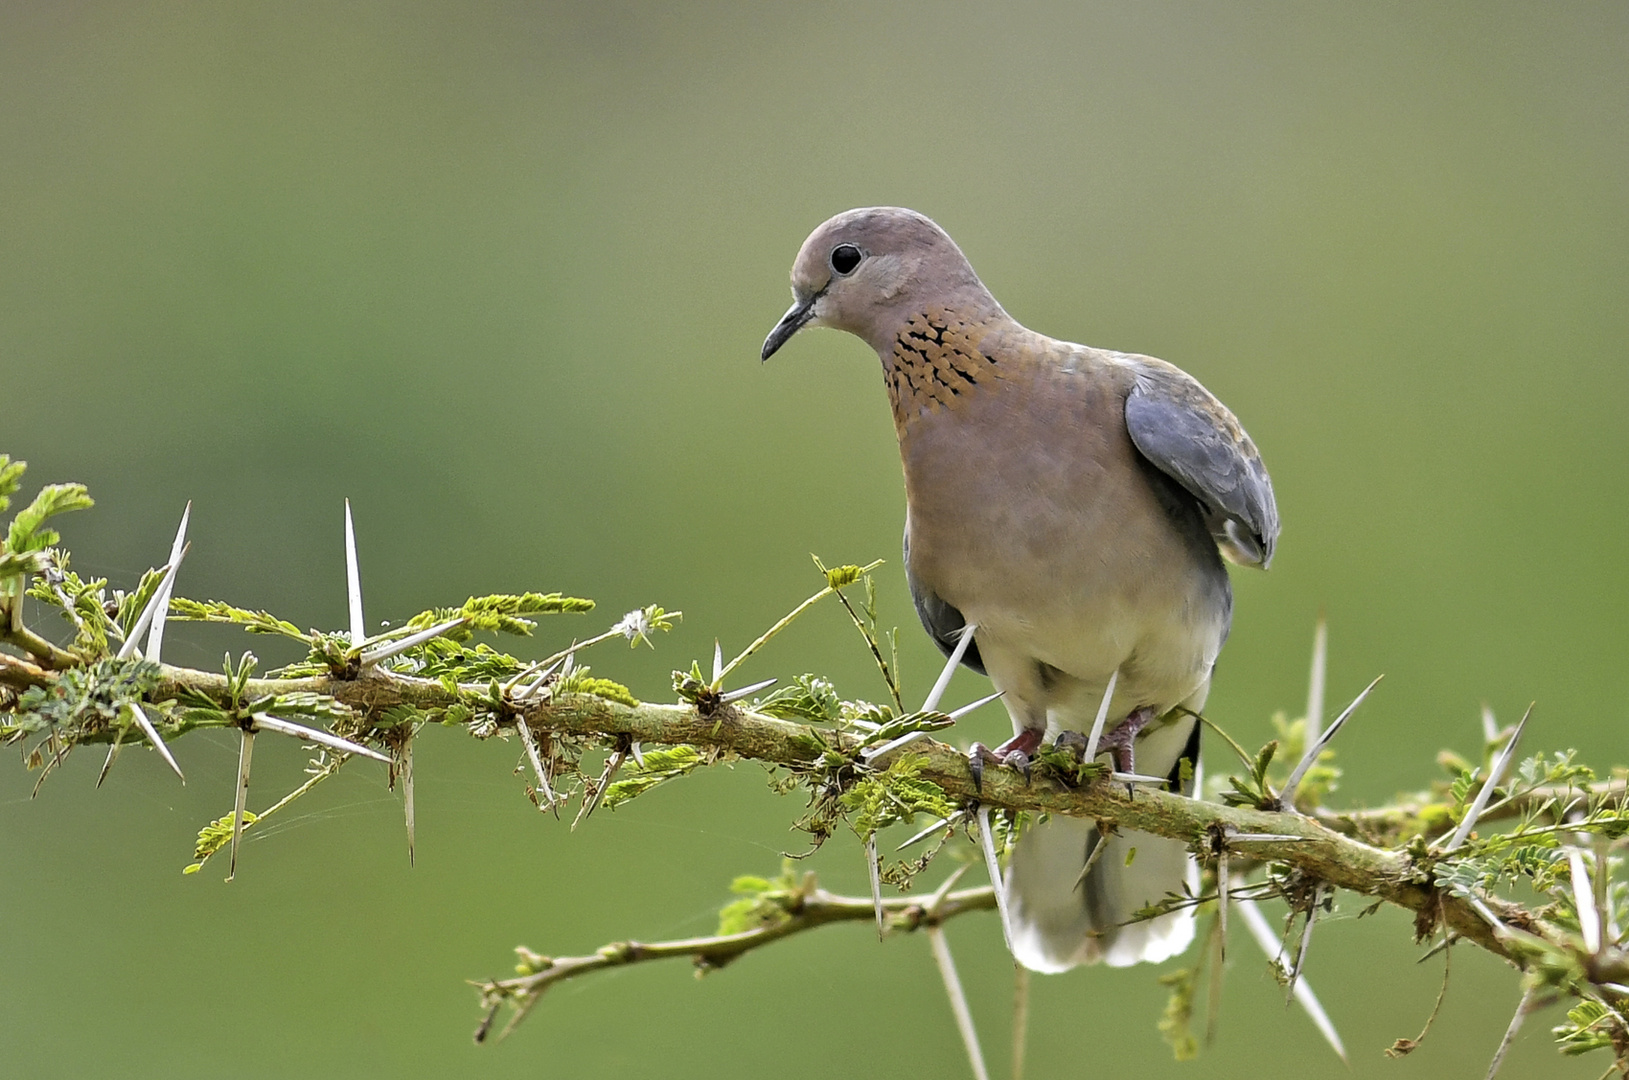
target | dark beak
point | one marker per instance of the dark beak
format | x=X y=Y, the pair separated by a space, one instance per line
x=798 y=314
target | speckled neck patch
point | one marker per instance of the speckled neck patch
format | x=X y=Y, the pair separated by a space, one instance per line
x=936 y=363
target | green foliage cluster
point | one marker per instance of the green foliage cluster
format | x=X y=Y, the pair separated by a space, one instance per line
x=761 y=902
x=657 y=766
x=83 y=703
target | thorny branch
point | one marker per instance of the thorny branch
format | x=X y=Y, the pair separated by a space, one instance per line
x=808 y=907
x=863 y=763
x=1315 y=849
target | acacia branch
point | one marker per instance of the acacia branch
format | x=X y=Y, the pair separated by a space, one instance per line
x=1422 y=814
x=1320 y=852
x=809 y=908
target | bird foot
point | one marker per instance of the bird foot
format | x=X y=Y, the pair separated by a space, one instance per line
x=1016 y=753
x=1121 y=743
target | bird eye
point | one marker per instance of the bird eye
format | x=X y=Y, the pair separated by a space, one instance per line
x=844 y=258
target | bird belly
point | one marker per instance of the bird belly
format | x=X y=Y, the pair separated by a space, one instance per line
x=1071 y=554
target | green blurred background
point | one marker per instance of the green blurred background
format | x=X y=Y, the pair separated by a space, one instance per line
x=499 y=273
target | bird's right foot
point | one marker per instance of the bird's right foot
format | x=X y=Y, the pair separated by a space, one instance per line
x=1016 y=753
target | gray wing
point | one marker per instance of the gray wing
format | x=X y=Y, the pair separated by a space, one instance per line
x=942 y=622
x=1192 y=438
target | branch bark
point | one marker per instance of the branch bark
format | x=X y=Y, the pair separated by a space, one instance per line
x=1318 y=851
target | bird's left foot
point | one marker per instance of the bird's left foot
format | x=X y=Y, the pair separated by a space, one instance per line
x=1016 y=753
x=1121 y=743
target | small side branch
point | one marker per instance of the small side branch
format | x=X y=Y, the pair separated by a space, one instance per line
x=812 y=907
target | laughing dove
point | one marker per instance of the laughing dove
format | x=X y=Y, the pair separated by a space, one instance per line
x=1072 y=505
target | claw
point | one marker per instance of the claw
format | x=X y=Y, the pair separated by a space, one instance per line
x=975 y=764
x=1016 y=753
x=1072 y=743
x=1122 y=741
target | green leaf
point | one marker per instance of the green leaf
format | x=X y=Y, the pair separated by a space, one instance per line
x=26 y=533
x=661 y=765
x=894 y=795
x=762 y=904
x=579 y=682
x=808 y=697
x=1589 y=1026
x=11 y=476
x=216 y=611
x=214 y=836
x=306 y=705
x=500 y=613
x=131 y=605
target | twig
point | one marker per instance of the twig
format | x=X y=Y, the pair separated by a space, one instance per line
x=815 y=907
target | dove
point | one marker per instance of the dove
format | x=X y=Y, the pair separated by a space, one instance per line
x=1072 y=505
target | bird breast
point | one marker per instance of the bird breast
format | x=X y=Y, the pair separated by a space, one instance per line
x=1030 y=510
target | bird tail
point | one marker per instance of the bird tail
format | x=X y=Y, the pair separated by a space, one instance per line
x=1057 y=920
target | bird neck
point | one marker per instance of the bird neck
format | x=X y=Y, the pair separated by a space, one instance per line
x=937 y=362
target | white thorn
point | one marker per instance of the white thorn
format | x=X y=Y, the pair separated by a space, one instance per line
x=1138 y=778
x=993 y=865
x=407 y=797
x=872 y=753
x=1286 y=798
x=1267 y=837
x=718 y=661
x=145 y=619
x=1224 y=884
x=958 y=1001
x=1583 y=895
x=1316 y=681
x=401 y=645
x=147 y=729
x=246 y=751
x=1510 y=1032
x=1257 y=922
x=746 y=691
x=1102 y=715
x=874 y=868
x=1098 y=848
x=112 y=752
x=980 y=703
x=956 y=654
x=155 y=636
x=1306 y=943
x=1496 y=772
x=931 y=829
x=316 y=735
x=529 y=740
x=1490 y=726
x=1480 y=906
x=535 y=688
x=635 y=748
x=353 y=583
x=1603 y=886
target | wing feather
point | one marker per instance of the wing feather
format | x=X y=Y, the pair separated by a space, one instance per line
x=1187 y=434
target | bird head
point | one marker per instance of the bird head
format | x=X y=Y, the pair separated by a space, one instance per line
x=866 y=270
